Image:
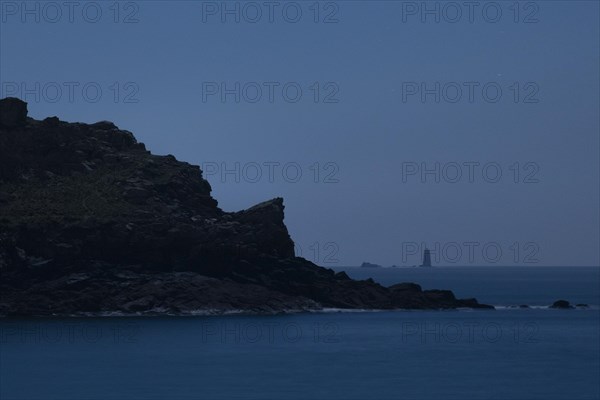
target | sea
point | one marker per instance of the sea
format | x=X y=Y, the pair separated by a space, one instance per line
x=507 y=353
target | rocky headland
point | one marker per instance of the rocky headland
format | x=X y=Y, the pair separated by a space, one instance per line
x=92 y=223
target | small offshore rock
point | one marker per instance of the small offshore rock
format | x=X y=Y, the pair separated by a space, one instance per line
x=562 y=304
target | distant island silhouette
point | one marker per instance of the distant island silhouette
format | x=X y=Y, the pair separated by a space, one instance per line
x=369 y=265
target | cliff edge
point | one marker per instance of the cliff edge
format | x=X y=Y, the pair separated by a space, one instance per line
x=91 y=222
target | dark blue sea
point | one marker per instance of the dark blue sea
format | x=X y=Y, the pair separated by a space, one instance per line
x=509 y=353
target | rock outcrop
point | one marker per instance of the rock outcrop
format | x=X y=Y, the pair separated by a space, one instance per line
x=92 y=222
x=563 y=304
x=13 y=113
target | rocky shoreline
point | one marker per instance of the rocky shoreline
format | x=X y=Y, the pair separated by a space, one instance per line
x=92 y=222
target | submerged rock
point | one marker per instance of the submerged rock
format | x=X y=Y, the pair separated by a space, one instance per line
x=91 y=222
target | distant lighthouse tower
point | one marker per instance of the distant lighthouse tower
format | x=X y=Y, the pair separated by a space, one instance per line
x=426 y=258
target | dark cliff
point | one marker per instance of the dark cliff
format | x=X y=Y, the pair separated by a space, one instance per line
x=91 y=222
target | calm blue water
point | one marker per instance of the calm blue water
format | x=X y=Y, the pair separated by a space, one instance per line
x=502 y=354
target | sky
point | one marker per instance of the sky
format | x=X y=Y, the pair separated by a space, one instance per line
x=387 y=126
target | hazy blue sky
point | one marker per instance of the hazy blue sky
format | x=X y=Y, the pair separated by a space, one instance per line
x=168 y=73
